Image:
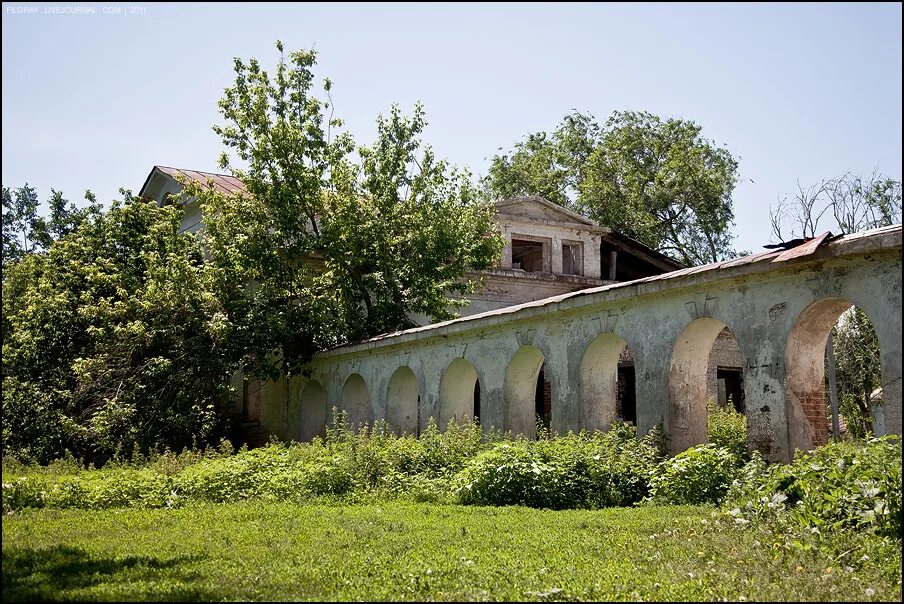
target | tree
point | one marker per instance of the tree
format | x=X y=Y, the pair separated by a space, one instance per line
x=26 y=231
x=341 y=243
x=858 y=369
x=549 y=165
x=112 y=340
x=656 y=180
x=856 y=202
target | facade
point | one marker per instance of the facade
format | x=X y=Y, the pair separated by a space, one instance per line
x=549 y=251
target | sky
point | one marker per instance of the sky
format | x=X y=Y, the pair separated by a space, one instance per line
x=94 y=95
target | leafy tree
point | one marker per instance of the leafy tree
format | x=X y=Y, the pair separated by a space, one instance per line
x=656 y=180
x=26 y=231
x=549 y=165
x=340 y=242
x=20 y=212
x=112 y=339
x=858 y=369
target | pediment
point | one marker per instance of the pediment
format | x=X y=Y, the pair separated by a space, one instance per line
x=538 y=209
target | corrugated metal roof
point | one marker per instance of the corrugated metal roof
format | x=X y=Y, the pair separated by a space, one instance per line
x=804 y=249
x=224 y=183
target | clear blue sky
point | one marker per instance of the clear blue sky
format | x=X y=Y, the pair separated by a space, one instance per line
x=794 y=91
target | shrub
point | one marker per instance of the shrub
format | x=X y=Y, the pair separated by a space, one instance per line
x=24 y=492
x=702 y=474
x=126 y=488
x=606 y=469
x=511 y=474
x=727 y=428
x=838 y=486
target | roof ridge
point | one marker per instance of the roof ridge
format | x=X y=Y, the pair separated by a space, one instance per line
x=198 y=171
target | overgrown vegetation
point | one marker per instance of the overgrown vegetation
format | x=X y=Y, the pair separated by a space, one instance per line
x=461 y=464
x=113 y=340
x=727 y=428
x=831 y=519
x=121 y=334
x=844 y=486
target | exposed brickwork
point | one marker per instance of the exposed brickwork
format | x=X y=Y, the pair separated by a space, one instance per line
x=814 y=407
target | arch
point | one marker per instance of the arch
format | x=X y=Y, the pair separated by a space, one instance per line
x=312 y=412
x=808 y=424
x=521 y=377
x=355 y=401
x=599 y=381
x=458 y=393
x=402 y=398
x=688 y=383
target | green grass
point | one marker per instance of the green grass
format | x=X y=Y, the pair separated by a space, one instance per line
x=281 y=551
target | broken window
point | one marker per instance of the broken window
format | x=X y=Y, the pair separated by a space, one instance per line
x=528 y=255
x=572 y=260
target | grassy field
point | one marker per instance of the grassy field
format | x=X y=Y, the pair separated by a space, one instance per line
x=396 y=551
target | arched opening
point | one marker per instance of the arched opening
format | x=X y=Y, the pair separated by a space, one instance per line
x=312 y=412
x=355 y=401
x=459 y=393
x=607 y=383
x=705 y=364
x=857 y=373
x=523 y=387
x=402 y=398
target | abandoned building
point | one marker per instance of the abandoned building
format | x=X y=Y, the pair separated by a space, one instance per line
x=580 y=325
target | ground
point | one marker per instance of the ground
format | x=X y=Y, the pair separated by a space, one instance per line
x=400 y=551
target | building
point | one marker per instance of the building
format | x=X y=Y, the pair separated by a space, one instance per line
x=549 y=250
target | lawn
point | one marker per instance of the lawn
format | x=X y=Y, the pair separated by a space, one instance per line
x=263 y=551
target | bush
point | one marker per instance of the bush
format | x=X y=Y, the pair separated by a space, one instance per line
x=606 y=469
x=728 y=429
x=843 y=485
x=24 y=492
x=702 y=474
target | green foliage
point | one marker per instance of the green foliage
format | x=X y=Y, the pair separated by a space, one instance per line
x=841 y=486
x=606 y=469
x=858 y=369
x=25 y=231
x=551 y=165
x=111 y=340
x=727 y=429
x=658 y=181
x=702 y=474
x=342 y=243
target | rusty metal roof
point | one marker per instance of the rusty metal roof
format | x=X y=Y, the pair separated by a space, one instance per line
x=223 y=183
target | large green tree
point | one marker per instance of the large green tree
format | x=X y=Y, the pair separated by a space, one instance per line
x=657 y=180
x=340 y=242
x=113 y=340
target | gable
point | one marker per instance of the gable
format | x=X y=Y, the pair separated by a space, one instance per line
x=537 y=209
